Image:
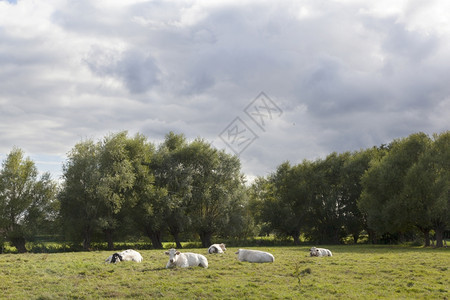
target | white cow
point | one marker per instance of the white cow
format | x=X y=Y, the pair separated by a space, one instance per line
x=254 y=256
x=319 y=252
x=185 y=260
x=216 y=248
x=127 y=255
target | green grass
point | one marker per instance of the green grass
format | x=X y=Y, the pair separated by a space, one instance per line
x=354 y=272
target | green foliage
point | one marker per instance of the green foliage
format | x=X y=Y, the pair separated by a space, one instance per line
x=103 y=182
x=217 y=185
x=382 y=198
x=409 y=187
x=329 y=201
x=317 y=198
x=354 y=272
x=125 y=188
x=27 y=203
x=174 y=178
x=79 y=202
x=123 y=185
x=352 y=170
x=427 y=188
x=390 y=192
x=284 y=199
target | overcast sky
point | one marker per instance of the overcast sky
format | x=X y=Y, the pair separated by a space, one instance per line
x=269 y=80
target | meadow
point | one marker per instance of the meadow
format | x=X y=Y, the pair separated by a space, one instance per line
x=354 y=272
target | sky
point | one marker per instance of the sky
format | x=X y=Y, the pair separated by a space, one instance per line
x=270 y=81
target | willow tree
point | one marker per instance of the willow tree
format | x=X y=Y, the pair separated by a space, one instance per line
x=117 y=177
x=427 y=189
x=172 y=173
x=26 y=202
x=350 y=179
x=383 y=198
x=102 y=182
x=216 y=182
x=79 y=202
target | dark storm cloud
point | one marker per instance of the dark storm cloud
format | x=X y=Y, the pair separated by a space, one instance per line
x=136 y=69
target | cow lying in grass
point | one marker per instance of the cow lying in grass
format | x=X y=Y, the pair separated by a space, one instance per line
x=185 y=260
x=254 y=256
x=127 y=255
x=217 y=248
x=319 y=252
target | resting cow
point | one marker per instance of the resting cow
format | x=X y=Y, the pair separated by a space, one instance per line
x=319 y=252
x=217 y=248
x=254 y=256
x=127 y=255
x=185 y=260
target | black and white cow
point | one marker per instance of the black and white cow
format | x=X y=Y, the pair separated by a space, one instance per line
x=127 y=255
x=217 y=248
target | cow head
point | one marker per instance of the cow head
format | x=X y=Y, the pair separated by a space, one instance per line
x=313 y=251
x=116 y=257
x=223 y=247
x=173 y=255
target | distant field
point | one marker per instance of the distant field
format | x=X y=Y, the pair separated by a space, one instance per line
x=354 y=272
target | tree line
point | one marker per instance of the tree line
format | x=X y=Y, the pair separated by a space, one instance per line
x=125 y=188
x=122 y=188
x=390 y=192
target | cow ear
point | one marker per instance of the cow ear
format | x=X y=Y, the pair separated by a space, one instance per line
x=177 y=253
x=167 y=252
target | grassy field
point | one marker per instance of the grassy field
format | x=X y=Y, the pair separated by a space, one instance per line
x=354 y=272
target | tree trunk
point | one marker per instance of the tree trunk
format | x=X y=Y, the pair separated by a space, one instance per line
x=155 y=237
x=87 y=239
x=177 y=240
x=336 y=239
x=426 y=237
x=296 y=236
x=156 y=240
x=205 y=237
x=372 y=236
x=109 y=238
x=355 y=238
x=19 y=243
x=439 y=237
